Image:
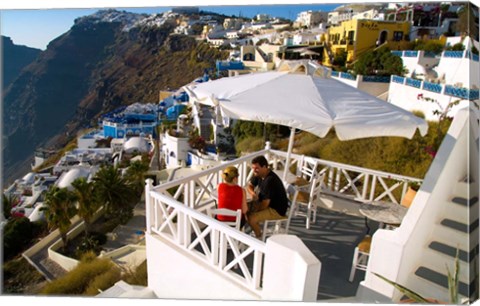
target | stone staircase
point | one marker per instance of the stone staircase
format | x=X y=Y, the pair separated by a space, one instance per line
x=456 y=228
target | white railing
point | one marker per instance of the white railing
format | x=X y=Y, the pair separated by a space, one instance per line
x=237 y=255
x=178 y=210
x=350 y=182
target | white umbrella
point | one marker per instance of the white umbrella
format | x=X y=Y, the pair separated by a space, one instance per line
x=306 y=102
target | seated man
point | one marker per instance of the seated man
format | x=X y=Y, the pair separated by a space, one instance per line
x=271 y=202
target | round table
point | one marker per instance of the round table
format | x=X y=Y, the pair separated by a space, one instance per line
x=384 y=212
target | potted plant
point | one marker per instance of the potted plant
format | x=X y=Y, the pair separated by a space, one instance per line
x=410 y=194
x=413 y=297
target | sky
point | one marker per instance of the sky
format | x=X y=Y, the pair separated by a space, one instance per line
x=29 y=24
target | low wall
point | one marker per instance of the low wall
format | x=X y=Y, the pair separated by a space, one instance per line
x=176 y=274
x=49 y=239
x=53 y=240
x=373 y=88
x=63 y=261
x=291 y=273
x=407 y=97
x=122 y=251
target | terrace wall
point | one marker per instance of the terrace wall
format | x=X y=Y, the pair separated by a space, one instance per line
x=404 y=93
x=397 y=254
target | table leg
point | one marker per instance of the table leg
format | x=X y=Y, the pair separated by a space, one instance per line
x=368 y=227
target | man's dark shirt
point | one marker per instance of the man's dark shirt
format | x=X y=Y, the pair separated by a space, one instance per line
x=271 y=187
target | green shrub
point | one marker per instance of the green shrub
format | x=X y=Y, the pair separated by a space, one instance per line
x=429 y=45
x=91 y=242
x=19 y=276
x=379 y=62
x=18 y=234
x=390 y=154
x=103 y=281
x=250 y=144
x=78 y=280
x=419 y=113
x=137 y=276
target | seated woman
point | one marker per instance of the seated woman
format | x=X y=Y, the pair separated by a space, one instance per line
x=231 y=195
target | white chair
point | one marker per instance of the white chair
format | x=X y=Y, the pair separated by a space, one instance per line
x=308 y=170
x=228 y=212
x=360 y=256
x=281 y=226
x=307 y=199
x=235 y=224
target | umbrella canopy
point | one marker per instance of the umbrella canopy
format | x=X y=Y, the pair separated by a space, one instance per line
x=308 y=52
x=306 y=102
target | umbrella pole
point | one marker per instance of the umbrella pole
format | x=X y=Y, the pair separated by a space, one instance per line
x=289 y=153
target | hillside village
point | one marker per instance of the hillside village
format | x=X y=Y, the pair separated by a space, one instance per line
x=179 y=138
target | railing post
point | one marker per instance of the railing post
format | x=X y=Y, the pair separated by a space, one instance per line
x=268 y=147
x=214 y=244
x=257 y=269
x=372 y=191
x=148 y=204
x=337 y=180
x=331 y=170
x=404 y=190
x=365 y=186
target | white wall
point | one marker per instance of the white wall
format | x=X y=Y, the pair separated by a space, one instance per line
x=396 y=254
x=85 y=143
x=410 y=63
x=304 y=38
x=459 y=70
x=180 y=148
x=406 y=97
x=175 y=274
x=291 y=273
x=374 y=88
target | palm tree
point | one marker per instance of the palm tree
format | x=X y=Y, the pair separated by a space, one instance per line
x=136 y=175
x=59 y=209
x=8 y=202
x=87 y=202
x=113 y=191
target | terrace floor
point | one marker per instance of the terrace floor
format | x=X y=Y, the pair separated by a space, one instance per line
x=332 y=239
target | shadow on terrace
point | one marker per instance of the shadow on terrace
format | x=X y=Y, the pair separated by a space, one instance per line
x=177 y=211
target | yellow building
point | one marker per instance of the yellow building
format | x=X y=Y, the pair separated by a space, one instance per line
x=358 y=36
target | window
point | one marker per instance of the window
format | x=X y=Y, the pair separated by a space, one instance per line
x=397 y=36
x=351 y=35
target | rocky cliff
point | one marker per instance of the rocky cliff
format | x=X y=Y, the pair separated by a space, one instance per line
x=104 y=61
x=14 y=59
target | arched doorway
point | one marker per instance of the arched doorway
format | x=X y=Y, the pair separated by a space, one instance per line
x=382 y=38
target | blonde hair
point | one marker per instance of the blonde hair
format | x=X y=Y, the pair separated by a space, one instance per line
x=229 y=174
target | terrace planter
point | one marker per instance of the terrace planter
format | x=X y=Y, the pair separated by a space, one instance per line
x=408 y=198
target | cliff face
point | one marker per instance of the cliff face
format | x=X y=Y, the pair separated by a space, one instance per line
x=93 y=68
x=14 y=59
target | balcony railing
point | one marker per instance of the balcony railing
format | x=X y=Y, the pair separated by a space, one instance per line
x=348 y=76
x=410 y=53
x=177 y=210
x=351 y=182
x=414 y=83
x=433 y=87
